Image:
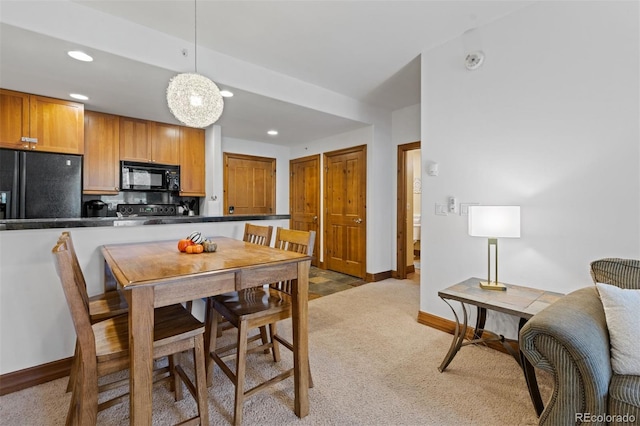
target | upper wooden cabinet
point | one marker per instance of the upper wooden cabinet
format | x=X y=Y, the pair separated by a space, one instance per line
x=149 y=142
x=135 y=139
x=101 y=153
x=192 y=162
x=31 y=122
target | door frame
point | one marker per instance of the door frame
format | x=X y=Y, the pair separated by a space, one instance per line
x=401 y=207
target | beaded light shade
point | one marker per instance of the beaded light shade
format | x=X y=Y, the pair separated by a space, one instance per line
x=194 y=100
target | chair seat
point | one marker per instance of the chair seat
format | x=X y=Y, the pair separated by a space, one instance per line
x=112 y=335
x=251 y=302
x=107 y=305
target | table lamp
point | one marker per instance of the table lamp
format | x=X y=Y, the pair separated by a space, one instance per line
x=494 y=222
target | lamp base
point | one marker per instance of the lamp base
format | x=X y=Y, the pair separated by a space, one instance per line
x=485 y=285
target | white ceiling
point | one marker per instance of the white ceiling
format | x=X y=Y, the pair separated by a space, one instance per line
x=366 y=50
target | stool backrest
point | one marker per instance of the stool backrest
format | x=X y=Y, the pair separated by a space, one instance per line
x=257 y=234
x=293 y=240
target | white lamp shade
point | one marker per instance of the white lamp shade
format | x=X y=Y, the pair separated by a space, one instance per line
x=494 y=221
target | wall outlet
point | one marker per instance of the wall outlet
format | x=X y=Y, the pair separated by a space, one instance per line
x=441 y=209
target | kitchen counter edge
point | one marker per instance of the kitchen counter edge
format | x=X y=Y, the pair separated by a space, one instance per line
x=21 y=224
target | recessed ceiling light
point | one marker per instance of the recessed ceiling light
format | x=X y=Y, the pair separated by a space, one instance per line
x=272 y=132
x=79 y=96
x=226 y=93
x=79 y=55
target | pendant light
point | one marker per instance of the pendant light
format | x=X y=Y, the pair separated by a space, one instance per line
x=194 y=99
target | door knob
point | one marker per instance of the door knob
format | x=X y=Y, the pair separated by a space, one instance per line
x=315 y=219
x=358 y=220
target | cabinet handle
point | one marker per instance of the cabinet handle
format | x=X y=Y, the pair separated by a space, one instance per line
x=117 y=189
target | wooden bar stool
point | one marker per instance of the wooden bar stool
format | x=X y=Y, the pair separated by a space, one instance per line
x=104 y=348
x=252 y=308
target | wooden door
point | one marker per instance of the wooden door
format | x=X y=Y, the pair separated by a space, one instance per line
x=165 y=143
x=304 y=197
x=192 y=162
x=101 y=153
x=345 y=221
x=14 y=119
x=57 y=124
x=249 y=184
x=135 y=137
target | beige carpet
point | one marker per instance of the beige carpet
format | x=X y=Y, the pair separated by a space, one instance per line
x=372 y=364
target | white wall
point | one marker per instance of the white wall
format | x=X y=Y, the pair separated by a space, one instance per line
x=405 y=125
x=551 y=123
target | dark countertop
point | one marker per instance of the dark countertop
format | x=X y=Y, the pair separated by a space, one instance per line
x=19 y=224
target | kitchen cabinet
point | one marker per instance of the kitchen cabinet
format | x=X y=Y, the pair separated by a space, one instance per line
x=101 y=153
x=149 y=142
x=135 y=139
x=30 y=122
x=192 y=162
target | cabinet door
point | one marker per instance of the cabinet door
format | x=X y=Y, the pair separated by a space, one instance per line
x=101 y=153
x=165 y=143
x=14 y=119
x=192 y=162
x=57 y=124
x=135 y=140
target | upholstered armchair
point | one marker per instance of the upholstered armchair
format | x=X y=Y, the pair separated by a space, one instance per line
x=570 y=339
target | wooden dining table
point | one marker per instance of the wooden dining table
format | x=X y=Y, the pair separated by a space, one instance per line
x=155 y=274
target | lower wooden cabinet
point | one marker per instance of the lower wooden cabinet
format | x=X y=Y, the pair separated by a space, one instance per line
x=101 y=153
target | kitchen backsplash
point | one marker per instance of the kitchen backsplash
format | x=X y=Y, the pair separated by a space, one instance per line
x=133 y=197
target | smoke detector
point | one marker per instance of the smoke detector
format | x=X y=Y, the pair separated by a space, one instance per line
x=474 y=60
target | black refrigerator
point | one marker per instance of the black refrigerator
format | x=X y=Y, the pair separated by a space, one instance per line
x=35 y=185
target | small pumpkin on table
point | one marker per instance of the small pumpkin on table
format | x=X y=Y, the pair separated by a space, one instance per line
x=195 y=243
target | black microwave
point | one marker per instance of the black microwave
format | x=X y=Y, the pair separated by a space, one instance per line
x=149 y=177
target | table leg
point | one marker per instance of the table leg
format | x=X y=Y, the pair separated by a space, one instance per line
x=299 y=317
x=480 y=321
x=530 y=376
x=458 y=337
x=140 y=354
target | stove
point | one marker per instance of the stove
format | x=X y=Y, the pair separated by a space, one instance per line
x=147 y=209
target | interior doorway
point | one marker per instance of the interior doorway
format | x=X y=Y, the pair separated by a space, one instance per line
x=409 y=214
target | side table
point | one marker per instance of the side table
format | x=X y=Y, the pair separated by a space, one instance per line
x=522 y=302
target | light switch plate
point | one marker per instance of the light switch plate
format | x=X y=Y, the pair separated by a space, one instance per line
x=464 y=208
x=441 y=209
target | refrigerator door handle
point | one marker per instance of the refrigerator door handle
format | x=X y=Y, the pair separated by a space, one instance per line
x=22 y=196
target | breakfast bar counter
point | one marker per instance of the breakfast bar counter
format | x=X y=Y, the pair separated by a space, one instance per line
x=32 y=302
x=18 y=224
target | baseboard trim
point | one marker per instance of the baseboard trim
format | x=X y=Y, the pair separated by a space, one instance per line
x=449 y=326
x=23 y=379
x=378 y=276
